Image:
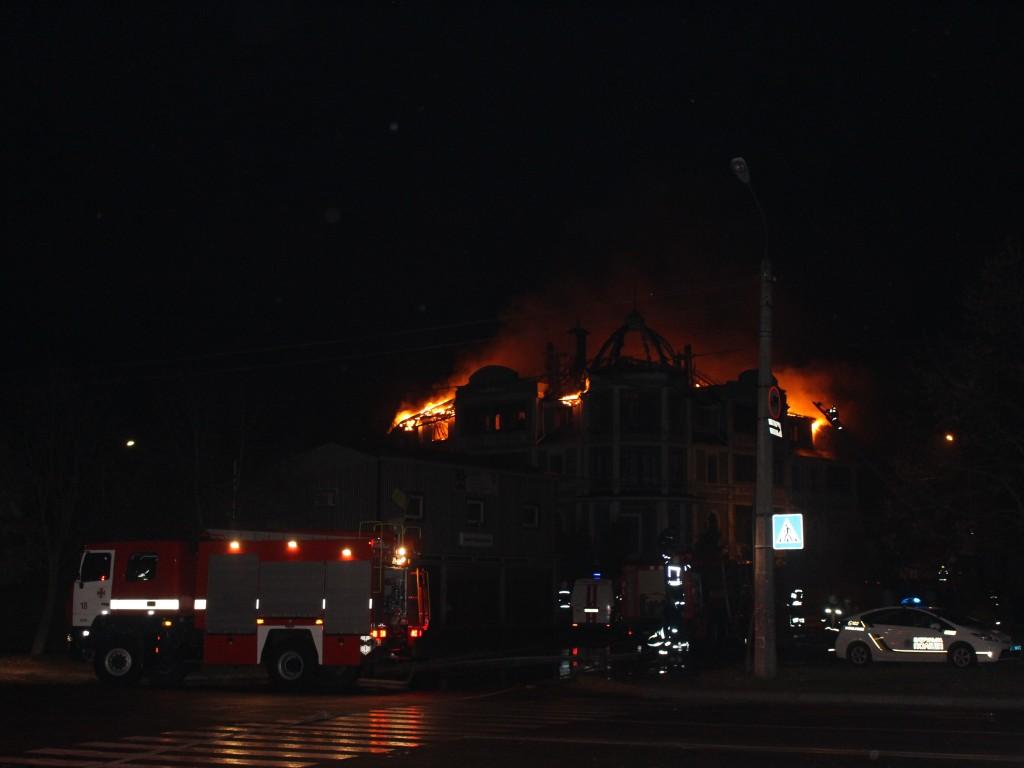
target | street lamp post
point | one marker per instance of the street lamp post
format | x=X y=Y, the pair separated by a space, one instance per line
x=764 y=556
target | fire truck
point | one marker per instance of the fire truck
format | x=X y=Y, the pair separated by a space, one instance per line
x=293 y=603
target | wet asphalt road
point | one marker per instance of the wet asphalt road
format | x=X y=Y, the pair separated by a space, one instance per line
x=221 y=723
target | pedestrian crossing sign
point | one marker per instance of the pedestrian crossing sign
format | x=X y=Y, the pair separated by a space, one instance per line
x=788 y=531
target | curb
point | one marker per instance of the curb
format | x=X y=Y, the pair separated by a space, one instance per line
x=697 y=696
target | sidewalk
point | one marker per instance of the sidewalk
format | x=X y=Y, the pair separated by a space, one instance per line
x=989 y=686
x=50 y=669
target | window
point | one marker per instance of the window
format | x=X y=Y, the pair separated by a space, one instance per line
x=707 y=422
x=556 y=464
x=626 y=532
x=677 y=415
x=141 y=566
x=326 y=498
x=639 y=410
x=889 y=616
x=744 y=418
x=95 y=567
x=743 y=468
x=712 y=468
x=778 y=469
x=927 y=621
x=601 y=467
x=598 y=411
x=743 y=521
x=677 y=467
x=414 y=508
x=640 y=467
x=531 y=516
x=474 y=512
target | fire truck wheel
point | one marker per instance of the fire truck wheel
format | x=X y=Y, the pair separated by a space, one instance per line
x=118 y=662
x=291 y=664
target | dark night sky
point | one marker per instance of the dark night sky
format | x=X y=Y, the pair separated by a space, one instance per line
x=188 y=179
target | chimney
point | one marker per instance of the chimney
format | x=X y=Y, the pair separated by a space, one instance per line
x=579 y=361
x=552 y=372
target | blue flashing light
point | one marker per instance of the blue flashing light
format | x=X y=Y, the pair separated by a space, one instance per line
x=596 y=574
x=910 y=601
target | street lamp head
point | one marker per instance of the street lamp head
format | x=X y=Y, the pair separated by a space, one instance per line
x=740 y=169
x=129 y=443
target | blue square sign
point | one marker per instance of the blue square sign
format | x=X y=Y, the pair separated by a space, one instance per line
x=788 y=531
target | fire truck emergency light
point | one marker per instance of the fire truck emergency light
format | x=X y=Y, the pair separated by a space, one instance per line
x=293 y=545
x=346 y=552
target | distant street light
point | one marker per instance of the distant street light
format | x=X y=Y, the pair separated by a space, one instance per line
x=129 y=443
x=764 y=556
x=950 y=437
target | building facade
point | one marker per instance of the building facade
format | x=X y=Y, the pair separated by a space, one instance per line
x=486 y=532
x=639 y=443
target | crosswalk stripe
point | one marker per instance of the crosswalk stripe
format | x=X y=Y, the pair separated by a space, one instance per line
x=163 y=755
x=368 y=733
x=22 y=760
x=402 y=730
x=58 y=763
x=369 y=730
x=354 y=741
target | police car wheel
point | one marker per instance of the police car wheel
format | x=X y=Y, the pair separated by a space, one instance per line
x=858 y=654
x=962 y=656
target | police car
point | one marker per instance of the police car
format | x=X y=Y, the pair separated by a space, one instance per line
x=905 y=633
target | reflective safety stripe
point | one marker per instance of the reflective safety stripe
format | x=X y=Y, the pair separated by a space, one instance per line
x=165 y=604
x=200 y=604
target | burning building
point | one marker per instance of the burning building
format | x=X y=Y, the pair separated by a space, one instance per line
x=641 y=442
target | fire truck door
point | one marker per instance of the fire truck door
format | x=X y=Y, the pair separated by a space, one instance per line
x=92 y=588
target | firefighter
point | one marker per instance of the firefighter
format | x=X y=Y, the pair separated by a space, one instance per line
x=671 y=641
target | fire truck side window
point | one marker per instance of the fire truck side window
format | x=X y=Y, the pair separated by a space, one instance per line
x=142 y=566
x=95 y=567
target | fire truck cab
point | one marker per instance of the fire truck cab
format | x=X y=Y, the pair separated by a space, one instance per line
x=291 y=603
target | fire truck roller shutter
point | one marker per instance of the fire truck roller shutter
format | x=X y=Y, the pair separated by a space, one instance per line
x=291 y=589
x=231 y=594
x=348 y=597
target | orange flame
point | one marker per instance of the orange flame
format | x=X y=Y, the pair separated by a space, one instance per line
x=411 y=418
x=803 y=388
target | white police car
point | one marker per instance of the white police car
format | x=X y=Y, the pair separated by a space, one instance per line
x=902 y=633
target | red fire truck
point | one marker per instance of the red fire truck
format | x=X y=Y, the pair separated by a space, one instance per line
x=293 y=603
